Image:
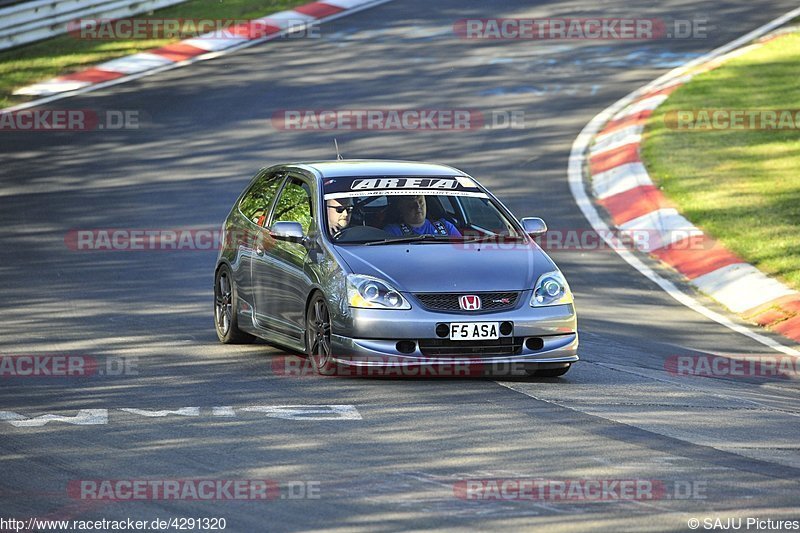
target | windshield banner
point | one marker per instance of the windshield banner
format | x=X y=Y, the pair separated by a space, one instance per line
x=390 y=185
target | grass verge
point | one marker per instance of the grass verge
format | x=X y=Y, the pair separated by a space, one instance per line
x=741 y=186
x=42 y=60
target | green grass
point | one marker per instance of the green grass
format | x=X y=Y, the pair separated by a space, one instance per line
x=63 y=54
x=742 y=187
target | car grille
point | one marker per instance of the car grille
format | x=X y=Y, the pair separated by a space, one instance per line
x=448 y=301
x=448 y=348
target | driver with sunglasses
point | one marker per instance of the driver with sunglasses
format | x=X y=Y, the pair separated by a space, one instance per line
x=339 y=211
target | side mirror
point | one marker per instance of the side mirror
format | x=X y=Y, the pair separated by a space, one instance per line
x=534 y=226
x=287 y=231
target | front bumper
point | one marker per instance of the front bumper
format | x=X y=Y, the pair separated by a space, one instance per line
x=370 y=338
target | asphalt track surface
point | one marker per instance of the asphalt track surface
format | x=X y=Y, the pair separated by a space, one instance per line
x=616 y=415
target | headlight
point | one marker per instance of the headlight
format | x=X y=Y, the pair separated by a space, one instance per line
x=551 y=289
x=369 y=292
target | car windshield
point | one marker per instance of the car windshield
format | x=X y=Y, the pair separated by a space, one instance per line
x=424 y=210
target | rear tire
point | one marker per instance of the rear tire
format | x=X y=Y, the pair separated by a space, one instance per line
x=226 y=318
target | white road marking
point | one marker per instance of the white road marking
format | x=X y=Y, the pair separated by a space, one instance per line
x=53 y=86
x=223 y=411
x=741 y=286
x=347 y=4
x=85 y=417
x=620 y=179
x=91 y=417
x=611 y=141
x=286 y=20
x=135 y=63
x=183 y=411
x=663 y=227
x=213 y=42
x=307 y=412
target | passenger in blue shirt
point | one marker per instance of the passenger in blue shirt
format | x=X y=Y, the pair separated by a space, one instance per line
x=413 y=210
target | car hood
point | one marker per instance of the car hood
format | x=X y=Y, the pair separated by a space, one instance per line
x=450 y=267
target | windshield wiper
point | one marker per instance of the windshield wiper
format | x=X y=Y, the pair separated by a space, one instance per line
x=411 y=238
x=498 y=238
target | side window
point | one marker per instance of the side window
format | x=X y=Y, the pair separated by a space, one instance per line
x=255 y=203
x=294 y=204
x=479 y=213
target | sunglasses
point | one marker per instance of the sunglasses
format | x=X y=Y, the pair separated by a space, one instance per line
x=342 y=208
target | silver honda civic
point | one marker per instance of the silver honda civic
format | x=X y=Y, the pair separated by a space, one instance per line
x=370 y=263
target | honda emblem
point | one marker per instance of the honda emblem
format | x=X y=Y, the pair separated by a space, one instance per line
x=469 y=302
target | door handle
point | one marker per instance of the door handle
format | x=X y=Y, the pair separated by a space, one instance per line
x=259 y=250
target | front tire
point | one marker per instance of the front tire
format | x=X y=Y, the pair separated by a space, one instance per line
x=226 y=319
x=318 y=336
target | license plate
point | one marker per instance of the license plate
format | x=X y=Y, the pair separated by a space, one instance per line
x=469 y=331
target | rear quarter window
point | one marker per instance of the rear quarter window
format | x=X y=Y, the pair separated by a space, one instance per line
x=295 y=204
x=256 y=202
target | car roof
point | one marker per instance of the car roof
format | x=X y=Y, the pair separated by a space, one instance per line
x=376 y=167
